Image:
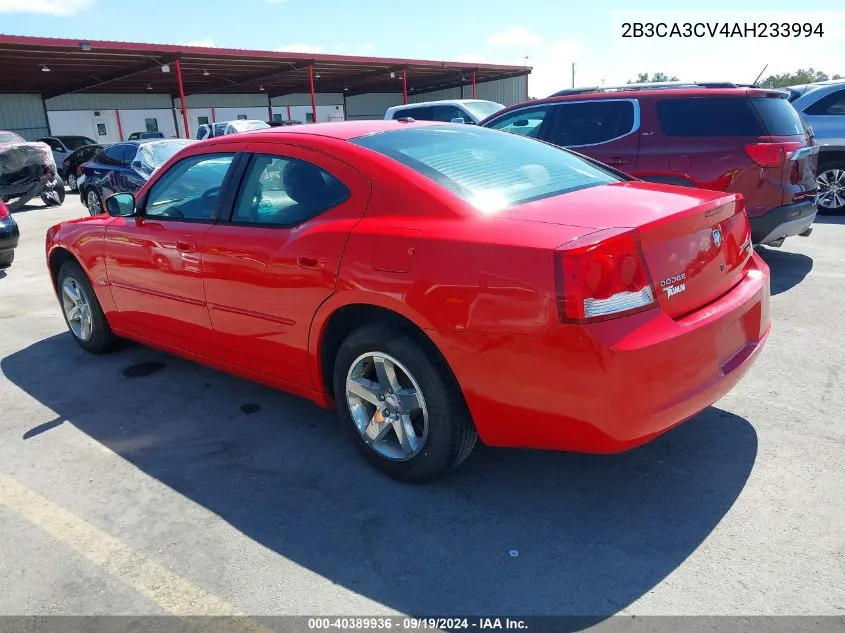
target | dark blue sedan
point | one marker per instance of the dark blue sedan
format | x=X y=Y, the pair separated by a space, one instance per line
x=9 y=235
x=123 y=168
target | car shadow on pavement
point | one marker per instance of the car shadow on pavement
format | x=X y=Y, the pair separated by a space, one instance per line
x=787 y=269
x=830 y=218
x=512 y=532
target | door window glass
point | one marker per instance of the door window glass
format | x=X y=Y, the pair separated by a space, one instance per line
x=591 y=122
x=114 y=154
x=446 y=113
x=286 y=192
x=526 y=122
x=190 y=188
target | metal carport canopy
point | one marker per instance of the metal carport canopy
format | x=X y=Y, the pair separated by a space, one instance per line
x=130 y=67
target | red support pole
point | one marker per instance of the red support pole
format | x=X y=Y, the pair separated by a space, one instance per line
x=182 y=98
x=313 y=98
x=473 y=85
x=404 y=86
x=119 y=126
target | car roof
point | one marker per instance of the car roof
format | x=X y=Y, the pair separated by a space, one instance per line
x=439 y=102
x=341 y=130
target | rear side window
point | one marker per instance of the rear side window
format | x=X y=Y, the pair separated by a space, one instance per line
x=488 y=169
x=420 y=114
x=709 y=116
x=114 y=154
x=591 y=122
x=834 y=103
x=778 y=115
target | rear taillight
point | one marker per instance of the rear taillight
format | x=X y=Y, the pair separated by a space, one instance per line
x=772 y=154
x=4 y=210
x=79 y=170
x=602 y=276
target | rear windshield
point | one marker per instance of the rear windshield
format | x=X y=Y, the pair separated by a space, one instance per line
x=728 y=116
x=489 y=169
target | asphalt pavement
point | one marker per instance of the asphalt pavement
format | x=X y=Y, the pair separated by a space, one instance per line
x=139 y=483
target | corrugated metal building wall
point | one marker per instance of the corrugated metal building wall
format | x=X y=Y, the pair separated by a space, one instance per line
x=23 y=114
x=504 y=91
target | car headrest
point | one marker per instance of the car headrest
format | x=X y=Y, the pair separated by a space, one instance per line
x=305 y=185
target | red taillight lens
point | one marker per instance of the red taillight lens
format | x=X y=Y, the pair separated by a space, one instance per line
x=772 y=154
x=4 y=210
x=79 y=170
x=602 y=276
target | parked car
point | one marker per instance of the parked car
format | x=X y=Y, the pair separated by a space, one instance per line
x=28 y=170
x=64 y=146
x=284 y=123
x=712 y=136
x=9 y=235
x=123 y=167
x=70 y=167
x=223 y=128
x=456 y=282
x=822 y=107
x=137 y=136
x=448 y=111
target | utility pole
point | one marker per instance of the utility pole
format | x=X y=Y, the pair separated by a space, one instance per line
x=573 y=74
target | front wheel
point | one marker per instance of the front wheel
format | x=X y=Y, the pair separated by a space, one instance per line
x=401 y=404
x=93 y=202
x=831 y=187
x=82 y=311
x=71 y=182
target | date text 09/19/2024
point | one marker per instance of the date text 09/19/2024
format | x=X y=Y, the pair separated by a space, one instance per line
x=415 y=624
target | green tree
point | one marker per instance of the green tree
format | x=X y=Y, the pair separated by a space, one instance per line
x=643 y=78
x=801 y=76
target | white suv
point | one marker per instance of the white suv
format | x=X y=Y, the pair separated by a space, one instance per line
x=449 y=111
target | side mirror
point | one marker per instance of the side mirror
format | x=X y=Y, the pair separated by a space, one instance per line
x=458 y=119
x=121 y=204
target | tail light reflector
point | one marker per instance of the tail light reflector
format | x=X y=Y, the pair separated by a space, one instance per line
x=602 y=276
x=772 y=154
x=4 y=210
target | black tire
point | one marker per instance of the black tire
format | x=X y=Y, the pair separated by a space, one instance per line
x=825 y=167
x=6 y=258
x=60 y=192
x=88 y=193
x=451 y=432
x=102 y=339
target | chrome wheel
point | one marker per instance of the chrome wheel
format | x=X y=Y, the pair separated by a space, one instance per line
x=387 y=406
x=93 y=203
x=77 y=309
x=71 y=182
x=831 y=185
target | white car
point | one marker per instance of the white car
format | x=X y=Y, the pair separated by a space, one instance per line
x=223 y=128
x=64 y=146
x=471 y=111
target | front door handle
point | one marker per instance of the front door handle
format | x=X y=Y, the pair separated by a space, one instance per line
x=185 y=247
x=307 y=261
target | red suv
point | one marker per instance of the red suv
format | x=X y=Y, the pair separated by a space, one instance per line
x=712 y=136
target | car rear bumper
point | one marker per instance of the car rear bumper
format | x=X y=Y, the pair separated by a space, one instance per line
x=9 y=235
x=613 y=385
x=782 y=222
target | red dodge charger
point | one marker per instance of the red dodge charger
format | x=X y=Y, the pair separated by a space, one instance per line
x=435 y=282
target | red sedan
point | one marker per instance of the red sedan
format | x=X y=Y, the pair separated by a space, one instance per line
x=436 y=283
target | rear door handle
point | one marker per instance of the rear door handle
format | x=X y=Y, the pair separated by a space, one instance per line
x=185 y=247
x=308 y=261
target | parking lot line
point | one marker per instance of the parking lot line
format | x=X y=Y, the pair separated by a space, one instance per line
x=170 y=591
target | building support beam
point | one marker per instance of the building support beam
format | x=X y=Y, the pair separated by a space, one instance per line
x=313 y=96
x=405 y=86
x=182 y=98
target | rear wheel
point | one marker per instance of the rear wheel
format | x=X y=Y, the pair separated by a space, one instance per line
x=94 y=202
x=71 y=182
x=82 y=311
x=401 y=404
x=831 y=187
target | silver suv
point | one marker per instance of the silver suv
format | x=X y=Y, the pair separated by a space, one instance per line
x=822 y=107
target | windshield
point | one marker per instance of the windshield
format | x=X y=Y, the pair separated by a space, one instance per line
x=491 y=170
x=75 y=142
x=482 y=109
x=153 y=155
x=10 y=137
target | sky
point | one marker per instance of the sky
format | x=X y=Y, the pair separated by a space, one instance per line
x=548 y=35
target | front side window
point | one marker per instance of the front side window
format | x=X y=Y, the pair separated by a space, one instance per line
x=525 y=122
x=488 y=169
x=591 y=122
x=286 y=192
x=190 y=188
